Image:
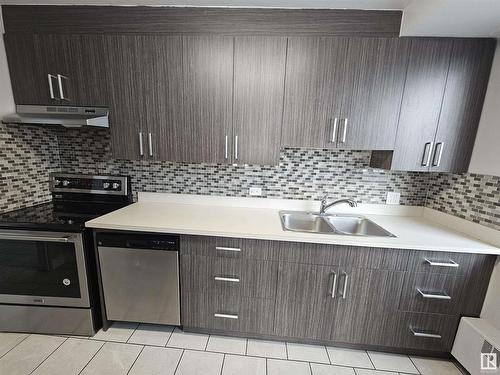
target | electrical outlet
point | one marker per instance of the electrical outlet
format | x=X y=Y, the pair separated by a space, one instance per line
x=392 y=197
x=255 y=191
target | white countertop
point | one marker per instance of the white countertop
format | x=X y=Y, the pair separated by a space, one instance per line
x=414 y=227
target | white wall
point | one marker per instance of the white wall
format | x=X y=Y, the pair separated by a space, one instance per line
x=6 y=98
x=486 y=155
x=491 y=307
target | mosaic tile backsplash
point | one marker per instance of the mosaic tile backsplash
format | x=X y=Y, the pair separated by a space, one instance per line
x=27 y=156
x=301 y=174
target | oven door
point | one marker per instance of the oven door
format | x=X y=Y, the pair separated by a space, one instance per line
x=42 y=268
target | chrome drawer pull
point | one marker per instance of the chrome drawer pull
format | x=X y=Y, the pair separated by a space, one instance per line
x=424 y=334
x=230 y=279
x=450 y=263
x=424 y=294
x=344 y=291
x=226 y=316
x=227 y=248
x=334 y=285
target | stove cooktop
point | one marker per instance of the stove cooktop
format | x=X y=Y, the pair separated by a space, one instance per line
x=75 y=200
x=44 y=217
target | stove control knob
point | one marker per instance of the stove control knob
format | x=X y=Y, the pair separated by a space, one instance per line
x=65 y=183
x=116 y=186
x=106 y=185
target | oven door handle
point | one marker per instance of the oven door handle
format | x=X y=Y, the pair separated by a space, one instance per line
x=34 y=238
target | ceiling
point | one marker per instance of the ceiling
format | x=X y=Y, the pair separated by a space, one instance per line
x=455 y=18
x=322 y=4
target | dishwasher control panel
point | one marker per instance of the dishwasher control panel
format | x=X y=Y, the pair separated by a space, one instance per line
x=139 y=241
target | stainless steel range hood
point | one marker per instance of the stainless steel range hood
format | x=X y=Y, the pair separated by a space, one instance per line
x=69 y=117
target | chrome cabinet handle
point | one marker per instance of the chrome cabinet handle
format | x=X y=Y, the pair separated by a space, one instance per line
x=334 y=285
x=228 y=279
x=436 y=263
x=333 y=139
x=344 y=132
x=33 y=238
x=437 y=153
x=424 y=334
x=236 y=147
x=344 y=290
x=426 y=158
x=429 y=295
x=61 y=91
x=227 y=248
x=51 y=86
x=141 y=148
x=226 y=316
x=225 y=152
x=150 y=144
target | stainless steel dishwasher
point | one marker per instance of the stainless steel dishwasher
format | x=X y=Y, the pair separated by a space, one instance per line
x=140 y=277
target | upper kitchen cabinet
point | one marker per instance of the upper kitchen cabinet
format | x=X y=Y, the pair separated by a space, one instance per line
x=344 y=92
x=28 y=78
x=63 y=69
x=208 y=94
x=421 y=106
x=462 y=104
x=144 y=78
x=125 y=60
x=443 y=97
x=313 y=88
x=374 y=78
x=259 y=75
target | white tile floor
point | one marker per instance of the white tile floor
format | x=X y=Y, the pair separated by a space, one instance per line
x=141 y=349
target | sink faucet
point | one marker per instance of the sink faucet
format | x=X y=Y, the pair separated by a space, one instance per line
x=325 y=206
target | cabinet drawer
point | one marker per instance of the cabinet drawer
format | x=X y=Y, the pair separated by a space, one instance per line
x=439 y=262
x=228 y=313
x=349 y=256
x=433 y=293
x=434 y=332
x=229 y=247
x=229 y=276
x=248 y=277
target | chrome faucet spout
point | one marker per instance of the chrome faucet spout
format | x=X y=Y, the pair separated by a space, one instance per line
x=325 y=206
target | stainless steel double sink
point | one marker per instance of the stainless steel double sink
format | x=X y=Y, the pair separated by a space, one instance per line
x=351 y=225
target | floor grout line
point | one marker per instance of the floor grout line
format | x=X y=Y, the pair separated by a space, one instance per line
x=135 y=360
x=90 y=360
x=286 y=350
x=179 y=362
x=15 y=346
x=208 y=340
x=413 y=363
x=52 y=352
x=370 y=358
x=328 y=355
x=222 y=367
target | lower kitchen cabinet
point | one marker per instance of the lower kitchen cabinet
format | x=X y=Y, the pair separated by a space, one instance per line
x=366 y=300
x=394 y=299
x=306 y=300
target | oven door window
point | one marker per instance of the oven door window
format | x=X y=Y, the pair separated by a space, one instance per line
x=39 y=268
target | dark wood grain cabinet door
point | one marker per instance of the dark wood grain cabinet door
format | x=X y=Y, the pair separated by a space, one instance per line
x=462 y=104
x=374 y=78
x=163 y=98
x=306 y=303
x=313 y=89
x=259 y=74
x=28 y=69
x=208 y=94
x=367 y=299
x=124 y=57
x=421 y=105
